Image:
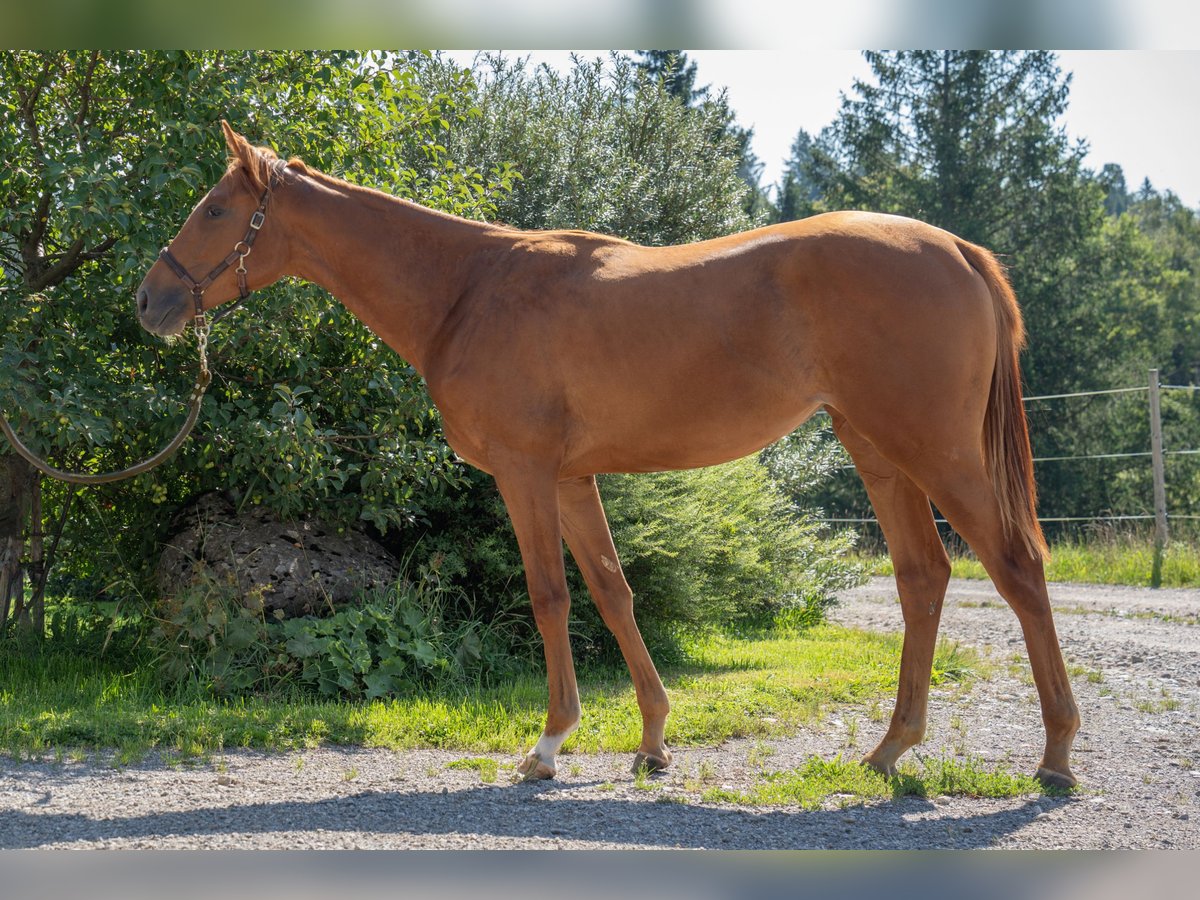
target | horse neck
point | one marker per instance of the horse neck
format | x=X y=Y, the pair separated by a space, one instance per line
x=397 y=266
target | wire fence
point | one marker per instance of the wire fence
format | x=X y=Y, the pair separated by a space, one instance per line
x=1157 y=454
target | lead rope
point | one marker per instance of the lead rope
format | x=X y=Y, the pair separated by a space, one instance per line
x=203 y=377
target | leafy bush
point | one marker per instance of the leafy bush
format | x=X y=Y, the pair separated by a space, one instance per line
x=401 y=640
x=419 y=632
x=722 y=545
x=213 y=637
x=604 y=146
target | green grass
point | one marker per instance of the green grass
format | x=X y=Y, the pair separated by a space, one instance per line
x=740 y=687
x=487 y=767
x=729 y=687
x=1110 y=560
x=812 y=784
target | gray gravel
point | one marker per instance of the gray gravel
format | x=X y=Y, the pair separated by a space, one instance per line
x=1136 y=658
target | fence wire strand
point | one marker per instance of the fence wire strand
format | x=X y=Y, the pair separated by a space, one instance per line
x=1142 y=454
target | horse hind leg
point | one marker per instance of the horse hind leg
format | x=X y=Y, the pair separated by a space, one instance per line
x=922 y=571
x=969 y=503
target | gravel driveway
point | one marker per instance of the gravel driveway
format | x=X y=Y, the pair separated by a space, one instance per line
x=1136 y=658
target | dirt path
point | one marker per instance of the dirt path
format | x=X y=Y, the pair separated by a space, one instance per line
x=1136 y=658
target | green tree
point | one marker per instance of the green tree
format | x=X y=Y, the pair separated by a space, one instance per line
x=798 y=193
x=676 y=72
x=105 y=155
x=1174 y=231
x=1112 y=179
x=604 y=147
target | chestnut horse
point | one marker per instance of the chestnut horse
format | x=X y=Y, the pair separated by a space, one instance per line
x=557 y=355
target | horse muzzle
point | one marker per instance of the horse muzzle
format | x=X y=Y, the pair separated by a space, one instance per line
x=164 y=313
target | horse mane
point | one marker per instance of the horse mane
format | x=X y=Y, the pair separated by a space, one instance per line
x=257 y=174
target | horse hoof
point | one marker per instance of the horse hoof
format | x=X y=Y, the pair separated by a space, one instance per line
x=887 y=770
x=1051 y=779
x=651 y=762
x=534 y=768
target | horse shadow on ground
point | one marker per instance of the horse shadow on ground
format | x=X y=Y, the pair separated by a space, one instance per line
x=550 y=812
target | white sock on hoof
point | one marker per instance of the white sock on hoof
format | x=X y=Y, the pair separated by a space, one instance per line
x=547 y=745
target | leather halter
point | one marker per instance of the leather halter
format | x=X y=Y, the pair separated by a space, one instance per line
x=239 y=253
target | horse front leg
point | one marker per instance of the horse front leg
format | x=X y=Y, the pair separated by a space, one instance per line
x=586 y=530
x=531 y=496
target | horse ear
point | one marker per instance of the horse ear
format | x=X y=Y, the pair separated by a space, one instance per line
x=231 y=137
x=239 y=147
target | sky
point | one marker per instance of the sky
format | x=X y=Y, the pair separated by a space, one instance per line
x=1137 y=108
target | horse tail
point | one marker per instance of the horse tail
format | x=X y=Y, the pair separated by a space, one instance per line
x=1007 y=454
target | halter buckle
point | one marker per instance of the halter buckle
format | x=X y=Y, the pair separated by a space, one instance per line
x=257 y=219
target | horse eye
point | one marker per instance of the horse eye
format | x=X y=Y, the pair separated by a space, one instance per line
x=215 y=212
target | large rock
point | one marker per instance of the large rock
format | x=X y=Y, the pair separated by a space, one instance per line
x=304 y=567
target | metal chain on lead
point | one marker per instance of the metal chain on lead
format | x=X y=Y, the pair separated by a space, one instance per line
x=202 y=328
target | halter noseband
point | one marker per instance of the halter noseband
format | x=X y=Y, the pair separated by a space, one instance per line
x=239 y=253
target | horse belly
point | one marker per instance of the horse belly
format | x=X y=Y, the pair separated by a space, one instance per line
x=686 y=421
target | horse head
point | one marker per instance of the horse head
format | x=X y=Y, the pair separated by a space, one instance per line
x=209 y=262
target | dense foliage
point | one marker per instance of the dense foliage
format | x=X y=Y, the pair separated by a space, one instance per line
x=726 y=543
x=116 y=148
x=606 y=147
x=419 y=633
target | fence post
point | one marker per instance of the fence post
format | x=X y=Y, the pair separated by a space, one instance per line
x=1160 y=485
